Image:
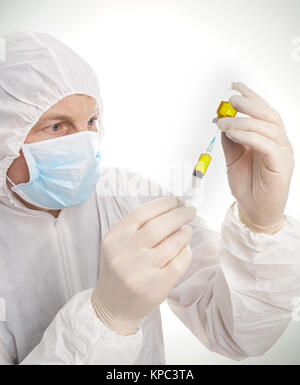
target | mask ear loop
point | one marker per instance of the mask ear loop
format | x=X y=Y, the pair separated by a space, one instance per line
x=10 y=180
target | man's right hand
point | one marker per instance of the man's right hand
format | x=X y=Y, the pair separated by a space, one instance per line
x=142 y=259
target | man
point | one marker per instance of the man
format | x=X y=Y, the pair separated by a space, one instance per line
x=83 y=270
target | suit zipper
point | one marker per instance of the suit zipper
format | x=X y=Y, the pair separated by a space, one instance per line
x=66 y=272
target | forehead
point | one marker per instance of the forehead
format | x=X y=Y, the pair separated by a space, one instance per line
x=73 y=105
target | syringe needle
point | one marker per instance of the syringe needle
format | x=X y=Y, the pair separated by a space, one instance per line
x=211 y=144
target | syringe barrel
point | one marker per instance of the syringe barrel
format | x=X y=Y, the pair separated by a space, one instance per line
x=202 y=165
x=192 y=192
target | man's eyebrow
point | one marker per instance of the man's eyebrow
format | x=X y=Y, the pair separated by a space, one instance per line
x=63 y=116
x=55 y=117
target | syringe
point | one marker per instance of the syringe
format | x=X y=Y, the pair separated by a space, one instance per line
x=225 y=110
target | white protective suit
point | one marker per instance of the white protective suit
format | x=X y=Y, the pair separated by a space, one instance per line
x=236 y=296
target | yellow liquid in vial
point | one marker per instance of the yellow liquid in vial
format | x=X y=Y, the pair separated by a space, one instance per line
x=225 y=110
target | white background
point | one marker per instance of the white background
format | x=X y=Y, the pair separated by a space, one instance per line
x=163 y=67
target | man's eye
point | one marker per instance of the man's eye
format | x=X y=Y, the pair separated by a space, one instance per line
x=91 y=121
x=55 y=127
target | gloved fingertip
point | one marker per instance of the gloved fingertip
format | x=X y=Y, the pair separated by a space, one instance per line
x=221 y=125
x=192 y=210
x=188 y=247
x=179 y=202
x=237 y=85
x=234 y=100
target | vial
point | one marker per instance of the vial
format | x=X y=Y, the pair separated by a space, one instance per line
x=225 y=109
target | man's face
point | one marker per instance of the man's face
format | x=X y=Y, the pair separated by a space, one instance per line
x=73 y=114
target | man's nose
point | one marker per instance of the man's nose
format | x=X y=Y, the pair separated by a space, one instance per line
x=80 y=127
x=83 y=125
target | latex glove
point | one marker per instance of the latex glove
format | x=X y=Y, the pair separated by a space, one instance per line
x=142 y=258
x=259 y=160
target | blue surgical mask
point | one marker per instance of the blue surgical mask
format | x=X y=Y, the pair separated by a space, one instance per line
x=63 y=171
